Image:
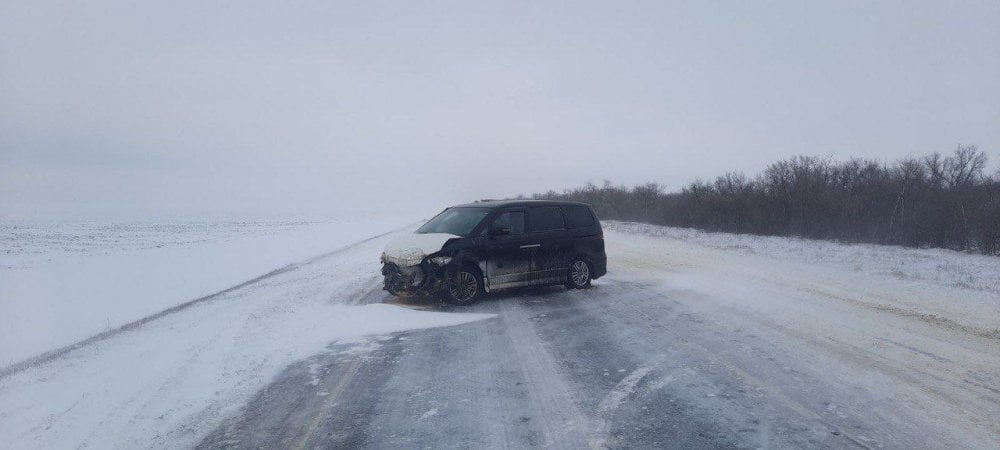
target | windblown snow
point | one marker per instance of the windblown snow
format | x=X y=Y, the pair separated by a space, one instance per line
x=828 y=337
x=168 y=382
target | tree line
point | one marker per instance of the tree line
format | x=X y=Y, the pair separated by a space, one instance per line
x=944 y=201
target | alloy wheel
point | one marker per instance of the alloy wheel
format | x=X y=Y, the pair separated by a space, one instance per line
x=463 y=286
x=579 y=273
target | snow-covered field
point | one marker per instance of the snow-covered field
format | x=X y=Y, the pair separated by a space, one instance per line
x=930 y=267
x=958 y=289
x=61 y=282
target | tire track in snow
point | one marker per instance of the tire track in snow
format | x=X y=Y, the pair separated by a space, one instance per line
x=563 y=423
x=330 y=400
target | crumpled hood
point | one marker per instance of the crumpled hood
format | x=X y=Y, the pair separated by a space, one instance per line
x=410 y=249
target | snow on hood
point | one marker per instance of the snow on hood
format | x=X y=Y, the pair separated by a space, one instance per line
x=410 y=249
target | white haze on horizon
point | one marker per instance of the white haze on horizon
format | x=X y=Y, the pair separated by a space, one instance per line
x=248 y=108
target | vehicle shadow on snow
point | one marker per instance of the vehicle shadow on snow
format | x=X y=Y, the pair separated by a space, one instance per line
x=536 y=293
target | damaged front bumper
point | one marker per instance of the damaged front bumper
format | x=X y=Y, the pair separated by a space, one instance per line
x=423 y=279
x=401 y=280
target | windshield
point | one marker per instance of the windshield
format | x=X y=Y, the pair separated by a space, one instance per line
x=457 y=221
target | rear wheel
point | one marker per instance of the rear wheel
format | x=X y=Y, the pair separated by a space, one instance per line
x=462 y=286
x=579 y=274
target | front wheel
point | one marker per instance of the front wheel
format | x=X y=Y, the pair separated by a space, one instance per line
x=579 y=274
x=462 y=286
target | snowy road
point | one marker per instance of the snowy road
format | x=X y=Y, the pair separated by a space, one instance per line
x=682 y=345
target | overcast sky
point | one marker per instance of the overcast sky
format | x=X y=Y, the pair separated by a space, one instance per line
x=249 y=106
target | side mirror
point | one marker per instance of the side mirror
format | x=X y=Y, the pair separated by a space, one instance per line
x=500 y=231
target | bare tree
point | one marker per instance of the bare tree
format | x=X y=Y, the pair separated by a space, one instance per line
x=965 y=167
x=930 y=201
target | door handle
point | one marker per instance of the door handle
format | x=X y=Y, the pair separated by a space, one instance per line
x=531 y=245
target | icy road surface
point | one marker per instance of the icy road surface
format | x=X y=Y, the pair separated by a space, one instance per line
x=688 y=342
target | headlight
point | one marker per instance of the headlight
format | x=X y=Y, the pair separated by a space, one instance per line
x=441 y=260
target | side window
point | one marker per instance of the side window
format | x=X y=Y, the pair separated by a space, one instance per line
x=545 y=219
x=512 y=219
x=578 y=217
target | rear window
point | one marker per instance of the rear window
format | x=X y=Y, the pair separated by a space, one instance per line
x=545 y=219
x=578 y=217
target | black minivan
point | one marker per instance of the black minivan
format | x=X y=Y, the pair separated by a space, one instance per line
x=470 y=249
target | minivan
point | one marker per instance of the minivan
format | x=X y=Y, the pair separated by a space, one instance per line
x=472 y=249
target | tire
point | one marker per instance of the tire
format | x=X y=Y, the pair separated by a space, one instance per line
x=463 y=286
x=579 y=274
